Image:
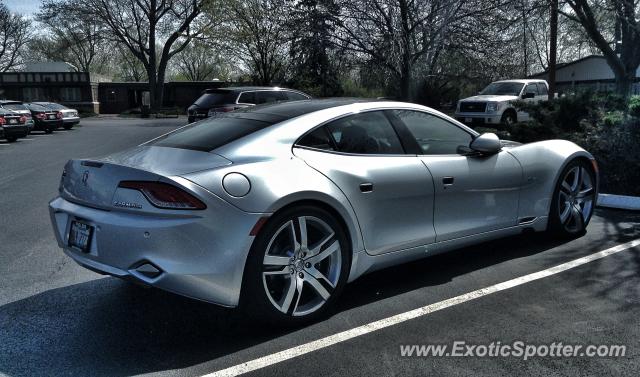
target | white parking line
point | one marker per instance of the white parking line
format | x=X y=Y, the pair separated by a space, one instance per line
x=296 y=351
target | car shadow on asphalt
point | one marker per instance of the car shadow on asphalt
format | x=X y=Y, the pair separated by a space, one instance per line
x=108 y=327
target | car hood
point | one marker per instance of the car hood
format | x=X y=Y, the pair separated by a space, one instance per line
x=492 y=98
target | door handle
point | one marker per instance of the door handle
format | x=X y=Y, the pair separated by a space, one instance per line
x=366 y=187
x=447 y=181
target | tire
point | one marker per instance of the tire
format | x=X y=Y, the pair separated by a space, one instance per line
x=68 y=126
x=574 y=200
x=509 y=118
x=270 y=292
x=11 y=139
x=48 y=130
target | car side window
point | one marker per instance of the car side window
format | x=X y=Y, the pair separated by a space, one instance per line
x=268 y=96
x=532 y=88
x=365 y=133
x=247 y=97
x=434 y=135
x=542 y=89
x=318 y=139
x=293 y=96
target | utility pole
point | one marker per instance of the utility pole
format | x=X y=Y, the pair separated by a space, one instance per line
x=553 y=48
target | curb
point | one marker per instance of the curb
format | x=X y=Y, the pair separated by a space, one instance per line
x=619 y=201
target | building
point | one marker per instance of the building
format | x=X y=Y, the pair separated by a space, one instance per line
x=591 y=72
x=88 y=92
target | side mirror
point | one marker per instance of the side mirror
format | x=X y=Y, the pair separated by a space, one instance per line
x=528 y=95
x=486 y=144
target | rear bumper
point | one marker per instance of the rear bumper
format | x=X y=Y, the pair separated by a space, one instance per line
x=201 y=257
x=15 y=131
x=71 y=120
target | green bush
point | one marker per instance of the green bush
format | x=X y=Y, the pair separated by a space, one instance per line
x=613 y=118
x=634 y=106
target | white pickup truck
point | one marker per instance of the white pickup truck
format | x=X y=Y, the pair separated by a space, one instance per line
x=494 y=104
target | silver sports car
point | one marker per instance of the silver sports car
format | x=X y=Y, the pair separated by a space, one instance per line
x=277 y=207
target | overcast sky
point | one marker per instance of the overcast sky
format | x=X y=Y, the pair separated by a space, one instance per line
x=26 y=7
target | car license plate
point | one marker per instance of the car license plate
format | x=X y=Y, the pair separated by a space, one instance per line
x=52 y=117
x=468 y=120
x=80 y=235
x=13 y=121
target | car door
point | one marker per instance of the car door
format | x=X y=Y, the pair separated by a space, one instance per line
x=391 y=192
x=472 y=193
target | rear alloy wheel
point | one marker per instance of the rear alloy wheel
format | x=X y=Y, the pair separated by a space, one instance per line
x=298 y=266
x=574 y=199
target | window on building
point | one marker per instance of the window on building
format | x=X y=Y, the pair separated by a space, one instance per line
x=70 y=94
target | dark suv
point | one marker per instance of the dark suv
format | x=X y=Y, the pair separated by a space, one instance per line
x=223 y=100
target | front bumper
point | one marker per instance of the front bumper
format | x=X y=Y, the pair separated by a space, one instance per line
x=478 y=118
x=201 y=256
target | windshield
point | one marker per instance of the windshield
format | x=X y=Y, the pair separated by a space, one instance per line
x=34 y=107
x=503 y=88
x=211 y=99
x=212 y=133
x=55 y=106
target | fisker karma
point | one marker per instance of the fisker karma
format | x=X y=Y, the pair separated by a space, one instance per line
x=275 y=208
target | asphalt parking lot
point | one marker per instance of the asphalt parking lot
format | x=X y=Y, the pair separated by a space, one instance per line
x=57 y=318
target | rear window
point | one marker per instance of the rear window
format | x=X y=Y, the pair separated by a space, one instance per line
x=55 y=106
x=34 y=107
x=212 y=133
x=211 y=99
x=14 y=106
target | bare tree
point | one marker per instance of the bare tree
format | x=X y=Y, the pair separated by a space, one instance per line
x=14 y=35
x=200 y=62
x=618 y=41
x=256 y=33
x=404 y=34
x=81 y=43
x=153 y=31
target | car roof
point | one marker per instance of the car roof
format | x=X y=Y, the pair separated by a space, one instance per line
x=248 y=88
x=523 y=81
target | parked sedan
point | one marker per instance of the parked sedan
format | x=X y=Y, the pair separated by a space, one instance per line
x=276 y=207
x=12 y=125
x=222 y=100
x=20 y=108
x=45 y=119
x=70 y=117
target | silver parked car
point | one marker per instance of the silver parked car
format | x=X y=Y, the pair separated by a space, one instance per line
x=70 y=117
x=276 y=207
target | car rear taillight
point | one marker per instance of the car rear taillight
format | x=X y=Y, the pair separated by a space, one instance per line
x=59 y=115
x=23 y=119
x=164 y=195
x=2 y=121
x=41 y=116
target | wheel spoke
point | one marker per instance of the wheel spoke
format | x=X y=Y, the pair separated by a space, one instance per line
x=316 y=249
x=566 y=187
x=585 y=193
x=282 y=271
x=318 y=287
x=302 y=223
x=576 y=215
x=577 y=179
x=335 y=246
x=272 y=260
x=564 y=216
x=319 y=275
x=294 y=238
x=288 y=298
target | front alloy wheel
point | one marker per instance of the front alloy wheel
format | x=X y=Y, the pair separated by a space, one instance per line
x=574 y=199
x=302 y=265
